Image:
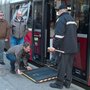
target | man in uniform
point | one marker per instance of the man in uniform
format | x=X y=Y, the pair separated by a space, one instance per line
x=65 y=41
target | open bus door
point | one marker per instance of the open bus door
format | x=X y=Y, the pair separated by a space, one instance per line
x=40 y=30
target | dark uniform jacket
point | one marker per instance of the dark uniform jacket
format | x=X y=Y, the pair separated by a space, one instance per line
x=65 y=34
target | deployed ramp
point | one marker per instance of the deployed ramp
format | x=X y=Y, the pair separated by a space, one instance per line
x=42 y=74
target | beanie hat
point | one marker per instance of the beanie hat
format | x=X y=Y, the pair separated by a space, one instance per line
x=63 y=6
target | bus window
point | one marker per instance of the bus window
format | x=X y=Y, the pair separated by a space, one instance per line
x=81 y=15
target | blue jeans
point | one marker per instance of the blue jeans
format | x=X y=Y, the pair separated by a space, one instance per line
x=12 y=58
x=16 y=41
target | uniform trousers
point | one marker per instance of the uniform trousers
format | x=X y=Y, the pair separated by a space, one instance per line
x=65 y=68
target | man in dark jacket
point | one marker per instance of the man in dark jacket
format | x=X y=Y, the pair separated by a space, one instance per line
x=65 y=42
x=18 y=56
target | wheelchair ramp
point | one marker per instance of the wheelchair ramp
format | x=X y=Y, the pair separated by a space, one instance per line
x=42 y=74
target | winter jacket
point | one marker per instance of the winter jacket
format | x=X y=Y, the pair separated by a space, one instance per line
x=18 y=28
x=66 y=34
x=21 y=55
x=4 y=29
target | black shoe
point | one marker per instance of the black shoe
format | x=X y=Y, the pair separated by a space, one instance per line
x=67 y=85
x=2 y=63
x=12 y=71
x=54 y=85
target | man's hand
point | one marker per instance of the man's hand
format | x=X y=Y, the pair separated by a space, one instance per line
x=51 y=49
x=19 y=72
x=6 y=39
x=29 y=68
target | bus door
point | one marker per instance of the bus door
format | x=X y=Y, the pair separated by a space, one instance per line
x=39 y=31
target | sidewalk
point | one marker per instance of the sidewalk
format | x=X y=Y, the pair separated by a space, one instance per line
x=10 y=81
